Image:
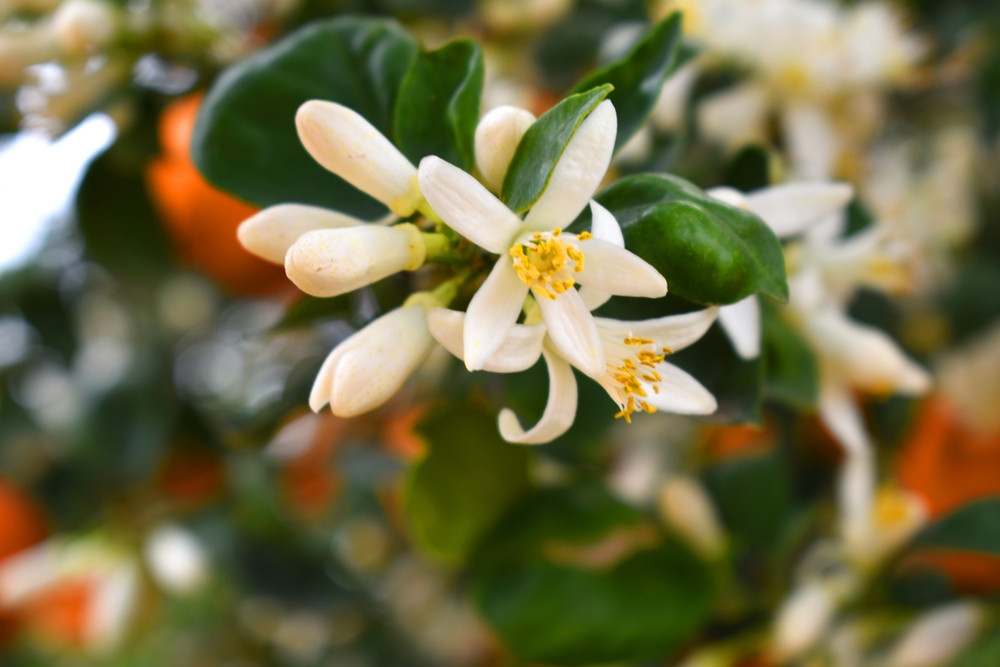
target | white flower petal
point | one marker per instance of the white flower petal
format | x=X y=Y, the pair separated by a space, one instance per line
x=735 y=116
x=856 y=481
x=573 y=331
x=492 y=313
x=615 y=270
x=328 y=262
x=271 y=232
x=497 y=136
x=604 y=227
x=466 y=206
x=790 y=208
x=560 y=408
x=519 y=351
x=865 y=356
x=345 y=143
x=673 y=331
x=729 y=195
x=579 y=171
x=373 y=363
x=741 y=322
x=811 y=139
x=680 y=393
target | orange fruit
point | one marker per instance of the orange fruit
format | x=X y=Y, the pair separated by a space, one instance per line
x=21 y=522
x=60 y=612
x=949 y=464
x=200 y=219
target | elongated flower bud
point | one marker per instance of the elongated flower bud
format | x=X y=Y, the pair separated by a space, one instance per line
x=802 y=619
x=328 y=262
x=271 y=232
x=497 y=136
x=368 y=368
x=687 y=509
x=344 y=142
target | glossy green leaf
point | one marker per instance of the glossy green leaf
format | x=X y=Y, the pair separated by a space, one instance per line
x=792 y=375
x=709 y=252
x=638 y=77
x=972 y=527
x=538 y=588
x=438 y=104
x=754 y=497
x=245 y=140
x=469 y=477
x=542 y=145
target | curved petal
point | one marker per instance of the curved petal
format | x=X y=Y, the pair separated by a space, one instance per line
x=604 y=227
x=790 y=208
x=519 y=351
x=560 y=408
x=811 y=140
x=680 y=393
x=741 y=322
x=673 y=331
x=615 y=270
x=466 y=206
x=271 y=232
x=323 y=384
x=497 y=136
x=729 y=195
x=840 y=414
x=579 y=171
x=344 y=142
x=492 y=313
x=573 y=331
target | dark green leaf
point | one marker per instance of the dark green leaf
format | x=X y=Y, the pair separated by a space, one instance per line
x=245 y=140
x=984 y=652
x=550 y=608
x=468 y=479
x=972 y=527
x=754 y=497
x=792 y=376
x=709 y=252
x=542 y=145
x=750 y=169
x=638 y=77
x=438 y=104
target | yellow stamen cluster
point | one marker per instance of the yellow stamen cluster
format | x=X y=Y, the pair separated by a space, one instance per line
x=638 y=367
x=542 y=263
x=891 y=508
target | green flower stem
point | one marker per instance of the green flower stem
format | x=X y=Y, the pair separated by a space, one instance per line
x=436 y=245
x=446 y=292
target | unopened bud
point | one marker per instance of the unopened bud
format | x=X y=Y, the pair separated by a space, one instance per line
x=497 y=136
x=687 y=509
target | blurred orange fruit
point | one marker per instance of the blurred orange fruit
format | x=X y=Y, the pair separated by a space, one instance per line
x=192 y=475
x=21 y=522
x=949 y=464
x=60 y=613
x=201 y=219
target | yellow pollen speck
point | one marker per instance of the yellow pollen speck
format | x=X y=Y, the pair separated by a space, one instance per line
x=545 y=264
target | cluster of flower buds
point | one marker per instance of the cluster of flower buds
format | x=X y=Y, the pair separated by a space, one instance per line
x=536 y=300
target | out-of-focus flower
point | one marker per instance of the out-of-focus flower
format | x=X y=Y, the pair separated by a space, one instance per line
x=22 y=521
x=937 y=636
x=367 y=369
x=202 y=220
x=82 y=26
x=896 y=516
x=788 y=209
x=535 y=255
x=803 y=619
x=687 y=509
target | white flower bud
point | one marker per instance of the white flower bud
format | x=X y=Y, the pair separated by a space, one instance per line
x=937 y=636
x=176 y=560
x=687 y=509
x=328 y=262
x=345 y=143
x=271 y=232
x=84 y=25
x=803 y=619
x=497 y=136
x=368 y=368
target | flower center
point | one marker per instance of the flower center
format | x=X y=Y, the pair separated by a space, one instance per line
x=546 y=263
x=632 y=364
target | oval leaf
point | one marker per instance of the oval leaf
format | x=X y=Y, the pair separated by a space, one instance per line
x=542 y=145
x=438 y=104
x=972 y=527
x=245 y=140
x=708 y=251
x=638 y=77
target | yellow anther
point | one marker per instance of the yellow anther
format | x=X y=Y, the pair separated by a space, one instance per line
x=543 y=263
x=557 y=231
x=632 y=340
x=634 y=371
x=584 y=236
